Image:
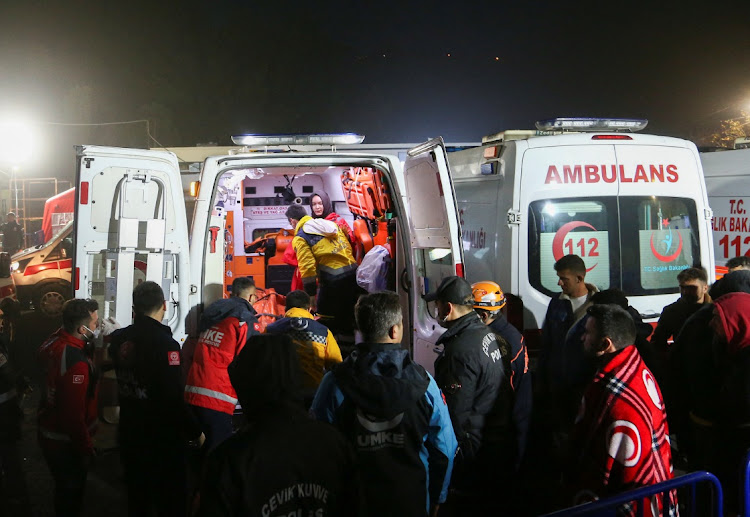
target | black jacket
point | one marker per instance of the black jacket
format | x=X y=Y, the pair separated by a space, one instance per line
x=151 y=387
x=470 y=372
x=282 y=464
x=519 y=376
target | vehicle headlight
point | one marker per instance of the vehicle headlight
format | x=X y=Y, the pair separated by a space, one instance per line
x=14 y=267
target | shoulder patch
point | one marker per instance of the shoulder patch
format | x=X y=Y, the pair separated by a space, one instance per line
x=256 y=326
x=173 y=358
x=78 y=379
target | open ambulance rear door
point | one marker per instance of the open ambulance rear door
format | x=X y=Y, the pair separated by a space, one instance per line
x=435 y=239
x=130 y=226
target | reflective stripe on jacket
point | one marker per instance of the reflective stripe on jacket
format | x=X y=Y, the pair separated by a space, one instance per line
x=208 y=382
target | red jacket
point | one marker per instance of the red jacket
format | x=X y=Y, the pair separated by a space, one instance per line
x=68 y=405
x=208 y=383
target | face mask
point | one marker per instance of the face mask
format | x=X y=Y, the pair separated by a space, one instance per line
x=94 y=333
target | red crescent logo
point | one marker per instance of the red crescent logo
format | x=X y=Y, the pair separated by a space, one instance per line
x=557 y=241
x=624 y=443
x=664 y=258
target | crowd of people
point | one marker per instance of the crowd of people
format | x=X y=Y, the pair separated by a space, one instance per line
x=372 y=432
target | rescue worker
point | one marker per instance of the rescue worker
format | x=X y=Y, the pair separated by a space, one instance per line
x=392 y=412
x=283 y=462
x=12 y=388
x=224 y=328
x=489 y=301
x=155 y=422
x=470 y=372
x=325 y=256
x=68 y=403
x=12 y=234
x=317 y=349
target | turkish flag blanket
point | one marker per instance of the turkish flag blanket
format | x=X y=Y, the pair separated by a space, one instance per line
x=620 y=440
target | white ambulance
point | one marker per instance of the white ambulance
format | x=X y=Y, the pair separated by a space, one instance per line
x=728 y=183
x=633 y=206
x=130 y=208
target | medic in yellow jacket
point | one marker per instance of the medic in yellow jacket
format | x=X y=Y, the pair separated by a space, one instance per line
x=316 y=347
x=323 y=251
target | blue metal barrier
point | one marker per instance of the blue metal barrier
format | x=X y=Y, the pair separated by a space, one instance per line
x=608 y=506
x=746 y=487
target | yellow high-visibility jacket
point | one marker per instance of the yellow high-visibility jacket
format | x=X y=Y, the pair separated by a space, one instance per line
x=323 y=251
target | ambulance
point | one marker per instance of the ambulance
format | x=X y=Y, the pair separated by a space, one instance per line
x=728 y=183
x=633 y=206
x=130 y=208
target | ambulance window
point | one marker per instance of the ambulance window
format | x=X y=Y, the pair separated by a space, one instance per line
x=437 y=263
x=664 y=242
x=260 y=232
x=583 y=226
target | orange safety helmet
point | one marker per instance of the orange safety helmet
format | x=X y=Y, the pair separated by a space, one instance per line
x=488 y=296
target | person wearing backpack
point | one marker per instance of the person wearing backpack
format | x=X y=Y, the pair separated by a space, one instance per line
x=393 y=413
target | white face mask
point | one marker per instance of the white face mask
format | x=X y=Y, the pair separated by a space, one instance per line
x=94 y=333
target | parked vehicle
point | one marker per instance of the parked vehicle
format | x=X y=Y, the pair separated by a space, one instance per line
x=41 y=274
x=728 y=184
x=633 y=206
x=130 y=208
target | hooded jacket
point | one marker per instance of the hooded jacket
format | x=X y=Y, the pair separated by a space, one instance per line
x=392 y=411
x=694 y=372
x=323 y=251
x=68 y=405
x=317 y=349
x=282 y=462
x=734 y=316
x=234 y=307
x=225 y=326
x=470 y=372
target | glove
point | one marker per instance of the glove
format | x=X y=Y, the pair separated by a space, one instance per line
x=108 y=326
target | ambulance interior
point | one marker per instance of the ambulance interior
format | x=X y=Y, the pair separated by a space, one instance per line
x=249 y=232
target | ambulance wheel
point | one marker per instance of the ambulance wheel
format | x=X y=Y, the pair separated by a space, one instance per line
x=51 y=299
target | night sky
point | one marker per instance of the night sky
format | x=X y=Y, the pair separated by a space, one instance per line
x=396 y=72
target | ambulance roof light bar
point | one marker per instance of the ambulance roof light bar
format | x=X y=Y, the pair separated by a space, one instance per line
x=591 y=124
x=331 y=139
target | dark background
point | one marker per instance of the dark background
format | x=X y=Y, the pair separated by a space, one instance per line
x=396 y=72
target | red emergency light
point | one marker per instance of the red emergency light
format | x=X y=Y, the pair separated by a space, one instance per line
x=491 y=152
x=611 y=137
